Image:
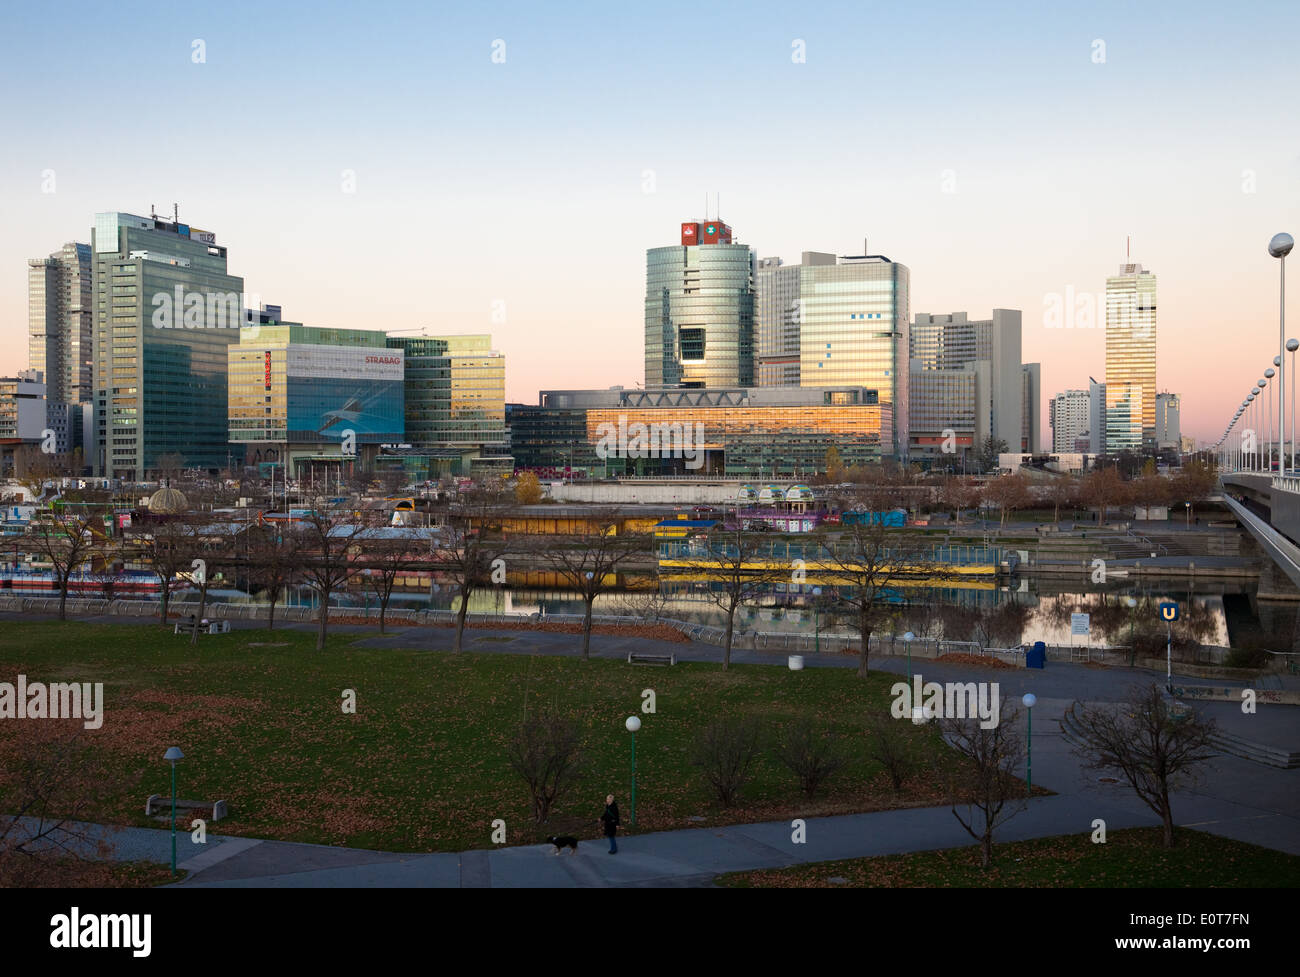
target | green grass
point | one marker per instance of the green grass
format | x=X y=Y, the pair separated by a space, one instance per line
x=1132 y=858
x=422 y=765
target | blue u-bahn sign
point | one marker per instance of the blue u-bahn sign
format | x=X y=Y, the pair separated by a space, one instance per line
x=1169 y=612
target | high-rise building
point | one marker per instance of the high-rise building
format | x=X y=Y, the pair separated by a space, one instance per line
x=777 y=317
x=845 y=325
x=699 y=310
x=949 y=342
x=1130 y=359
x=455 y=404
x=1068 y=413
x=166 y=310
x=59 y=323
x=1168 y=409
x=1096 y=417
x=1031 y=377
x=311 y=399
x=948 y=420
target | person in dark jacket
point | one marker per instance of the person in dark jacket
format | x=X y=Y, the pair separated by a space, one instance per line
x=611 y=820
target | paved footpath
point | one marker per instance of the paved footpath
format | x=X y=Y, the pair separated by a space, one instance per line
x=1235 y=798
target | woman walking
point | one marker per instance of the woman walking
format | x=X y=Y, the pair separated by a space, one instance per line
x=611 y=820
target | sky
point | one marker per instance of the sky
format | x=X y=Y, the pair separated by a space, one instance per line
x=462 y=170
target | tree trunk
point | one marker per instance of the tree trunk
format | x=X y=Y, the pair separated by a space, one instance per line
x=165 y=596
x=203 y=600
x=270 y=621
x=864 y=642
x=986 y=849
x=460 y=619
x=324 y=620
x=726 y=645
x=63 y=598
x=383 y=612
x=586 y=628
x=1167 y=818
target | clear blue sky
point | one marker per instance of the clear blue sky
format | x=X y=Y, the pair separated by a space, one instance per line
x=525 y=182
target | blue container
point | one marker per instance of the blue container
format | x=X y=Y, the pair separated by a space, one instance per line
x=1036 y=657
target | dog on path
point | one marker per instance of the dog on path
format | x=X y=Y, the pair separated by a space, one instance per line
x=564 y=841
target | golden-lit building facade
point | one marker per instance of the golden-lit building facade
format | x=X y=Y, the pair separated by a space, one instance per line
x=1130 y=359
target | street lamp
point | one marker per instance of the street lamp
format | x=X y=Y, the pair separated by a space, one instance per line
x=633 y=724
x=817 y=632
x=1029 y=700
x=1279 y=247
x=172 y=755
x=1268 y=375
x=907 y=643
x=1132 y=603
x=1291 y=346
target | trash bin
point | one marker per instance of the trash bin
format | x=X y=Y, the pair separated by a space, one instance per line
x=1036 y=656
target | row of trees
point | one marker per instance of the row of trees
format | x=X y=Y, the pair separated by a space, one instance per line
x=1154 y=749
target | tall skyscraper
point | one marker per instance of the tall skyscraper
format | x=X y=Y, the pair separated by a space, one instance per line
x=1031 y=376
x=845 y=325
x=699 y=310
x=1130 y=359
x=59 y=323
x=949 y=342
x=165 y=312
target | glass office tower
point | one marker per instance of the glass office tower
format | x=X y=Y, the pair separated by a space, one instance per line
x=1130 y=359
x=699 y=310
x=165 y=313
x=455 y=400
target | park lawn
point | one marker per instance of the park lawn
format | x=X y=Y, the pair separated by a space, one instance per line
x=422 y=764
x=1131 y=858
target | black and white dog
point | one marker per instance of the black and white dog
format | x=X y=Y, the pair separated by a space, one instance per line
x=564 y=841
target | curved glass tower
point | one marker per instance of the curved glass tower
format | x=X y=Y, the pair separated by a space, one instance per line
x=699 y=310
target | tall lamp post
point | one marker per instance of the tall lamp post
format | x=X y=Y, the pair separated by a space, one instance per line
x=1291 y=346
x=1132 y=603
x=817 y=632
x=1268 y=375
x=907 y=643
x=1029 y=700
x=1279 y=247
x=633 y=724
x=172 y=755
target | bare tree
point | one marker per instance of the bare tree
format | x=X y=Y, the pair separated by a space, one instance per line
x=868 y=557
x=387 y=558
x=545 y=752
x=738 y=568
x=988 y=778
x=589 y=562
x=52 y=784
x=888 y=746
x=1007 y=493
x=67 y=541
x=274 y=560
x=725 y=752
x=813 y=756
x=1152 y=748
x=1062 y=492
x=213 y=547
x=1103 y=488
x=471 y=545
x=329 y=538
x=171 y=544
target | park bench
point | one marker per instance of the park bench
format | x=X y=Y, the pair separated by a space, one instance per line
x=189 y=626
x=645 y=658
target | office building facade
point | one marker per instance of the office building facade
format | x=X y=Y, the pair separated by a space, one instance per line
x=1130 y=359
x=60 y=323
x=166 y=311
x=699 y=310
x=1069 y=414
x=455 y=395
x=949 y=342
x=1168 y=432
x=743 y=432
x=947 y=419
x=301 y=396
x=1031 y=377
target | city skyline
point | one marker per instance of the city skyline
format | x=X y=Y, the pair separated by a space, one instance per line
x=393 y=209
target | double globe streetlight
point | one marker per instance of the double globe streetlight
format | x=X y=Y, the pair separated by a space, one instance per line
x=1279 y=247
